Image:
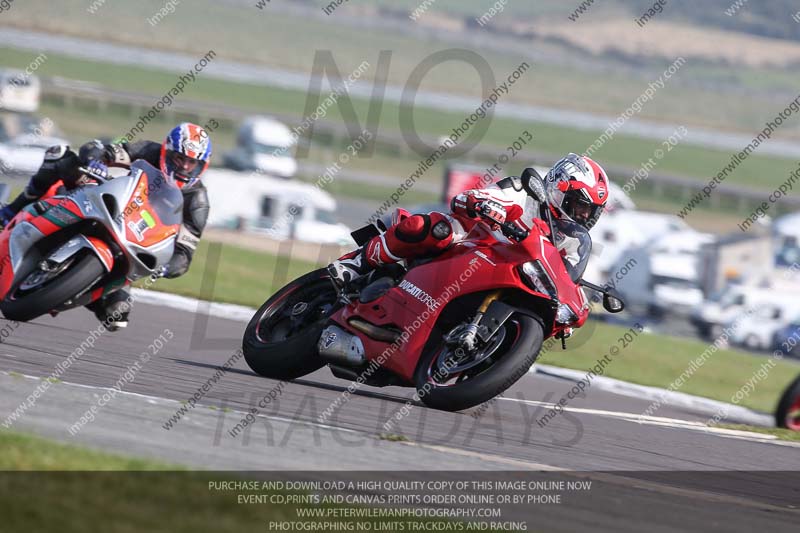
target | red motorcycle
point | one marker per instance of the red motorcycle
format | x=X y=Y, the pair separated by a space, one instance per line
x=67 y=251
x=461 y=327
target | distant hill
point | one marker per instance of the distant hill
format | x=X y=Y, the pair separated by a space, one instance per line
x=766 y=18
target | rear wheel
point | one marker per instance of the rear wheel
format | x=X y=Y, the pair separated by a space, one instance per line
x=46 y=289
x=452 y=380
x=280 y=341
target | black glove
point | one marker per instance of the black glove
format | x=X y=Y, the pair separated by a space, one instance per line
x=60 y=163
x=492 y=212
x=94 y=151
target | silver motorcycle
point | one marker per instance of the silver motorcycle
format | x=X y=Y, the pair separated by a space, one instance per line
x=67 y=251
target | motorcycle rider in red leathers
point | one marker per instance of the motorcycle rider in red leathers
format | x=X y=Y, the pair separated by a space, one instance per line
x=579 y=190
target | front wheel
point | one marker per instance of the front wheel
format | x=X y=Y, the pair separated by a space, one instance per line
x=44 y=290
x=280 y=341
x=452 y=381
x=788 y=412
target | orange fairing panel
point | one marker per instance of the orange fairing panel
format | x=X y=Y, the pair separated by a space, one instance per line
x=143 y=225
x=103 y=252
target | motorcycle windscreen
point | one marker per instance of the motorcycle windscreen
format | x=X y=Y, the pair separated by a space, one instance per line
x=155 y=210
x=575 y=241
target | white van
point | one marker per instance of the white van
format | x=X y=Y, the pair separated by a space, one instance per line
x=265 y=145
x=277 y=208
x=667 y=277
x=619 y=232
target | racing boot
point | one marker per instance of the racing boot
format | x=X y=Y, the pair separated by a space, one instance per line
x=349 y=267
x=112 y=310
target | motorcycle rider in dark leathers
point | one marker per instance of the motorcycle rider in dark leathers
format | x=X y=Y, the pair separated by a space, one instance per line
x=183 y=157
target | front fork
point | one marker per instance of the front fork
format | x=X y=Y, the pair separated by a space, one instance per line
x=468 y=337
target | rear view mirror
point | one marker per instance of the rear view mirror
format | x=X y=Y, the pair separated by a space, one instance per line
x=612 y=300
x=612 y=304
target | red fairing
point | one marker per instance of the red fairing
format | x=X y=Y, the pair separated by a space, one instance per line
x=478 y=264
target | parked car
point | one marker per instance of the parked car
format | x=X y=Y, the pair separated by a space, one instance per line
x=758 y=331
x=787 y=339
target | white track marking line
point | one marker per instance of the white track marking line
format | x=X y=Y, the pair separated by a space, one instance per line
x=160 y=400
x=438 y=448
x=666 y=422
x=520 y=463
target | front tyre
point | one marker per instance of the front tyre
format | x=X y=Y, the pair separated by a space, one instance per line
x=43 y=291
x=280 y=341
x=788 y=413
x=503 y=361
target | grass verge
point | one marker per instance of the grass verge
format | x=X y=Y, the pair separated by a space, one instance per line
x=783 y=434
x=684 y=160
x=26 y=452
x=659 y=360
x=48 y=486
x=226 y=273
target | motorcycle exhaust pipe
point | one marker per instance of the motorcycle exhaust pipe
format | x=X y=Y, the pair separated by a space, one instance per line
x=374 y=332
x=340 y=346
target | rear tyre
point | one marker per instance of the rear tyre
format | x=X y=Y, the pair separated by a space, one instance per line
x=280 y=341
x=511 y=359
x=788 y=413
x=23 y=305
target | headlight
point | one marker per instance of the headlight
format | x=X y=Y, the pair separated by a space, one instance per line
x=565 y=315
x=535 y=275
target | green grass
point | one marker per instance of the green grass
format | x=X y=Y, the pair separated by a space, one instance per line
x=352 y=189
x=81 y=124
x=25 y=452
x=35 y=497
x=658 y=360
x=783 y=434
x=270 y=36
x=685 y=160
x=239 y=276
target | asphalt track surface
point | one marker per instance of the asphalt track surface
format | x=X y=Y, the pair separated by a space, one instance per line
x=600 y=435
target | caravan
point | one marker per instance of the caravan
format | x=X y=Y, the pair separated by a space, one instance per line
x=277 y=208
